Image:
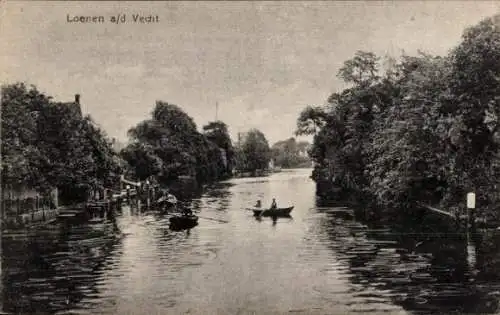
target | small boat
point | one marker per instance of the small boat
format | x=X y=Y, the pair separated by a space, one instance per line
x=278 y=212
x=182 y=222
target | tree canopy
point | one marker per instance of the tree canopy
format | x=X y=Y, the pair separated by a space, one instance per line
x=46 y=144
x=168 y=145
x=253 y=153
x=217 y=132
x=425 y=129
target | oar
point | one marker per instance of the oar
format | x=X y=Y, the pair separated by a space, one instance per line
x=222 y=221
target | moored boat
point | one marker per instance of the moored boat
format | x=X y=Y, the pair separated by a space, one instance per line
x=183 y=222
x=278 y=212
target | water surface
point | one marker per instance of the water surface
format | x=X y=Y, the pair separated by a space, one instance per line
x=321 y=261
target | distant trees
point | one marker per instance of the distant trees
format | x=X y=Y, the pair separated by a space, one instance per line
x=424 y=129
x=290 y=153
x=47 y=144
x=168 y=145
x=253 y=152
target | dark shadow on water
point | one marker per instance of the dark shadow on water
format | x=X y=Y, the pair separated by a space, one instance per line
x=218 y=190
x=45 y=270
x=216 y=196
x=274 y=219
x=425 y=263
x=175 y=228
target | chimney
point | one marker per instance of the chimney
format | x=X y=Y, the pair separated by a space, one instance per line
x=77 y=104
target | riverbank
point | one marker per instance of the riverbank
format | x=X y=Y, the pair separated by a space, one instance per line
x=455 y=215
x=38 y=217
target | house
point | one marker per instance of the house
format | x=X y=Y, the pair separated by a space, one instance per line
x=303 y=151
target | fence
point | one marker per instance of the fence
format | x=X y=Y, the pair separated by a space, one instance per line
x=23 y=202
x=28 y=205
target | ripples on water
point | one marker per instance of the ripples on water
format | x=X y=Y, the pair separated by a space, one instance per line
x=324 y=260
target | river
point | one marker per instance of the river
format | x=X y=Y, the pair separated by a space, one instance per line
x=323 y=260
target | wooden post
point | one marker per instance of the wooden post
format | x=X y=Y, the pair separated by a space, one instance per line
x=56 y=197
x=470 y=248
x=2 y=208
x=33 y=212
x=471 y=205
x=43 y=210
x=147 y=190
x=128 y=195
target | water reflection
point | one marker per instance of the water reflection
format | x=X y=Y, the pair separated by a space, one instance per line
x=327 y=259
x=52 y=269
x=418 y=268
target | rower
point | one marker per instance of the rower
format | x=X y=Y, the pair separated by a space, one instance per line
x=258 y=204
x=187 y=212
x=273 y=204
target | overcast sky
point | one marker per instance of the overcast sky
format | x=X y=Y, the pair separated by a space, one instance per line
x=261 y=61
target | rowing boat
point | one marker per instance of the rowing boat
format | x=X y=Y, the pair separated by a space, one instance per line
x=278 y=212
x=183 y=222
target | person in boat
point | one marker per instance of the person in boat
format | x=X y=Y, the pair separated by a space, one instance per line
x=187 y=212
x=273 y=204
x=258 y=204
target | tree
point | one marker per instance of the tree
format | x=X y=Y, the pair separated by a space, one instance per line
x=47 y=144
x=142 y=158
x=362 y=69
x=20 y=154
x=168 y=145
x=254 y=152
x=311 y=120
x=217 y=132
x=424 y=130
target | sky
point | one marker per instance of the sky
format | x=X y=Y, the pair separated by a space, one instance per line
x=262 y=62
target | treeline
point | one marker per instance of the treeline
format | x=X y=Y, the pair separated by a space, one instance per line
x=421 y=128
x=168 y=145
x=291 y=154
x=47 y=144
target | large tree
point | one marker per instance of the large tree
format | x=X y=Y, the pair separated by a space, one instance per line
x=47 y=144
x=168 y=145
x=426 y=129
x=254 y=152
x=217 y=132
